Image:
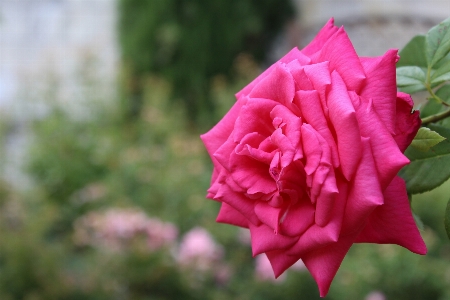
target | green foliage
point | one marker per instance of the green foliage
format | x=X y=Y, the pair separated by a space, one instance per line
x=441 y=74
x=188 y=42
x=435 y=161
x=413 y=53
x=425 y=65
x=447 y=219
x=425 y=139
x=437 y=43
x=410 y=79
x=424 y=62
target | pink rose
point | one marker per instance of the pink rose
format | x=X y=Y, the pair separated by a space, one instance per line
x=308 y=156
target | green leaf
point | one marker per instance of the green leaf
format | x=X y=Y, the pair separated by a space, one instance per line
x=431 y=107
x=425 y=139
x=444 y=93
x=413 y=54
x=447 y=219
x=430 y=169
x=411 y=79
x=441 y=74
x=411 y=89
x=437 y=42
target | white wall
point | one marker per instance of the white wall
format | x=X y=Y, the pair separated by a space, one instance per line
x=373 y=25
x=42 y=36
x=42 y=41
x=314 y=11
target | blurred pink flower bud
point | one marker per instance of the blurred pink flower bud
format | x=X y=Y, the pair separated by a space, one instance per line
x=375 y=295
x=160 y=234
x=199 y=250
x=114 y=228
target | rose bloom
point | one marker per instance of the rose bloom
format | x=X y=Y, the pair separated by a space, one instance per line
x=308 y=156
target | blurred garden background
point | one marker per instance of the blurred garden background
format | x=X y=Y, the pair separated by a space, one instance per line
x=103 y=174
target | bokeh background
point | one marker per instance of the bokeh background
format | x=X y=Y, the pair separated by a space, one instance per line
x=103 y=175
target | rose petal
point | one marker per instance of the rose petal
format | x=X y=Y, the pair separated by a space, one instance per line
x=339 y=51
x=343 y=118
x=294 y=54
x=321 y=38
x=251 y=174
x=311 y=147
x=238 y=201
x=298 y=219
x=292 y=127
x=316 y=236
x=229 y=215
x=388 y=157
x=278 y=85
x=287 y=151
x=287 y=137
x=302 y=81
x=222 y=154
x=326 y=198
x=312 y=113
x=393 y=223
x=219 y=134
x=219 y=178
x=250 y=146
x=324 y=263
x=407 y=122
x=381 y=86
x=280 y=261
x=365 y=194
x=319 y=75
x=264 y=239
x=269 y=215
x=254 y=117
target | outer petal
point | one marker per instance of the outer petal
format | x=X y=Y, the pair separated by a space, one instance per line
x=381 y=86
x=219 y=134
x=323 y=263
x=316 y=236
x=264 y=239
x=388 y=158
x=218 y=178
x=290 y=56
x=238 y=201
x=229 y=215
x=278 y=85
x=339 y=51
x=393 y=223
x=365 y=194
x=280 y=261
x=407 y=122
x=321 y=38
